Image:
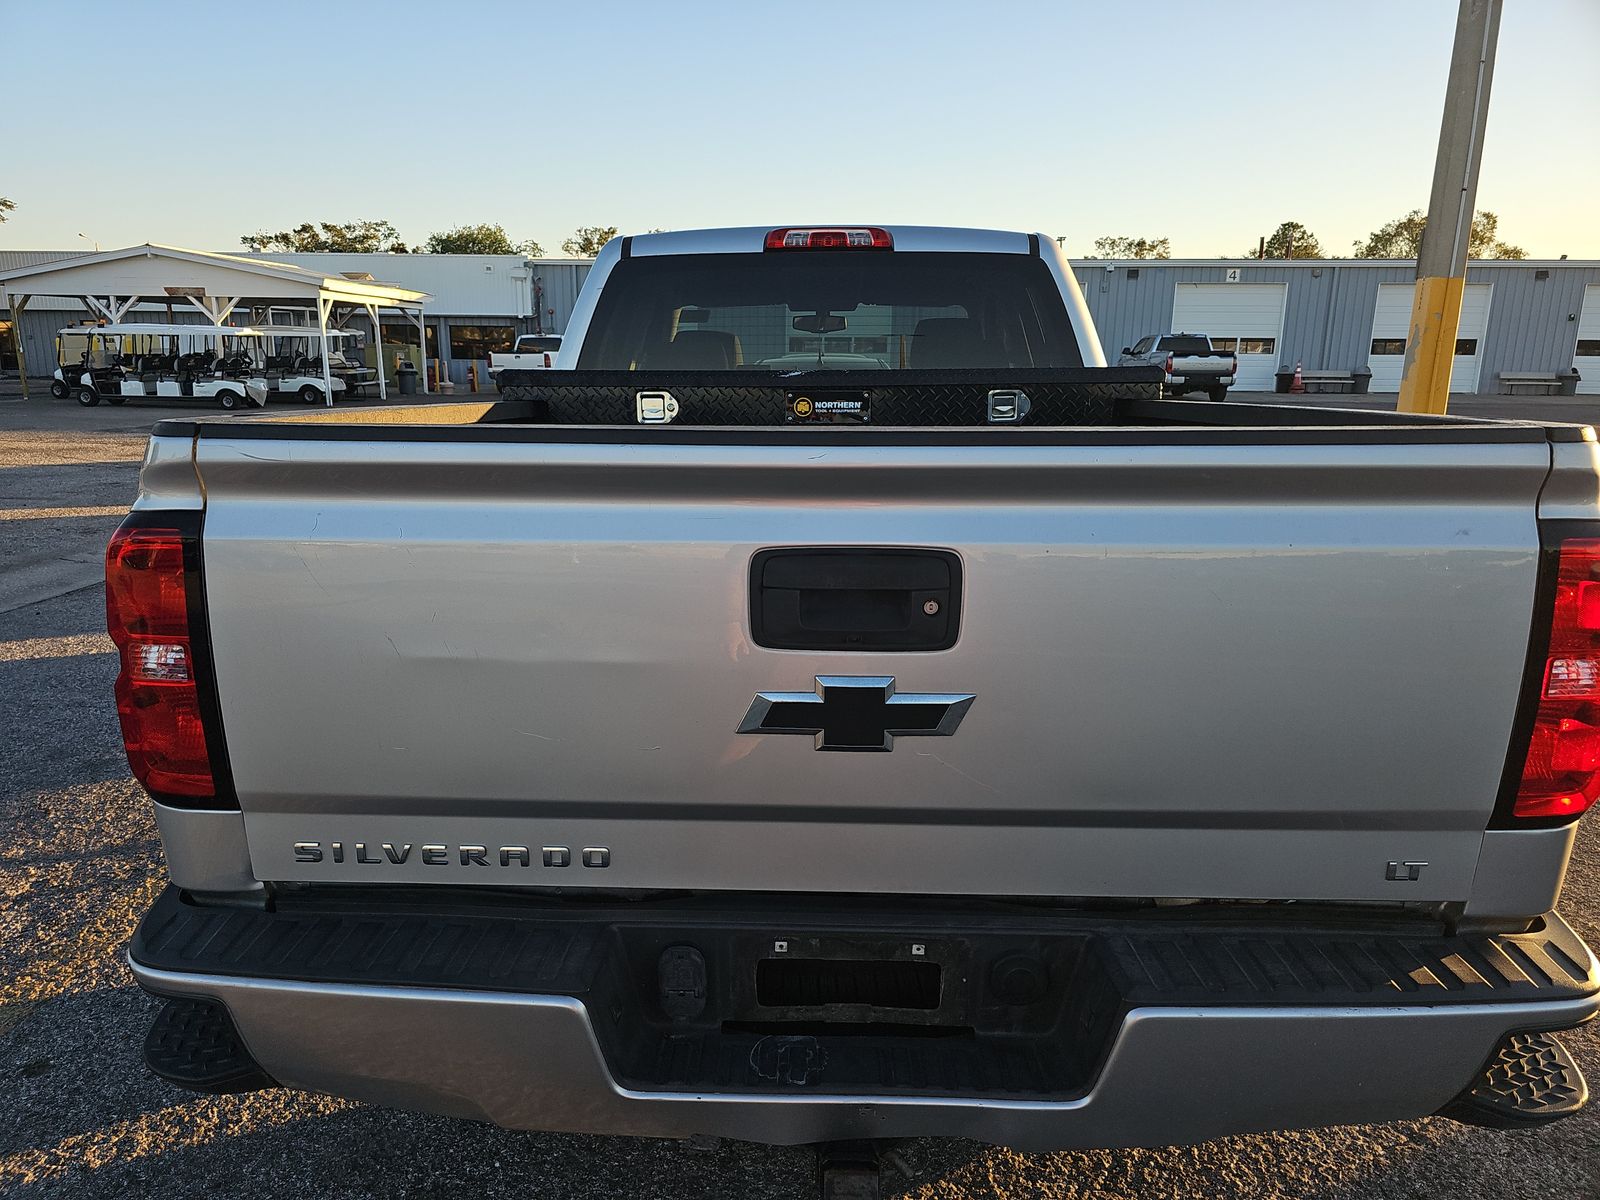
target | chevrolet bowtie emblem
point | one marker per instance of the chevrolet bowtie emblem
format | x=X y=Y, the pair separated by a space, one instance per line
x=857 y=712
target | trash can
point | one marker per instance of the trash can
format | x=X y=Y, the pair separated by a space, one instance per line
x=1362 y=380
x=408 y=379
x=1569 y=383
x=1285 y=380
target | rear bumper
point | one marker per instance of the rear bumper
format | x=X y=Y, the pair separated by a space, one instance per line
x=1199 y=381
x=577 y=1054
x=1174 y=1076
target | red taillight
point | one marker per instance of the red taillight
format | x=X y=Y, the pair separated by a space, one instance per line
x=1561 y=776
x=862 y=238
x=158 y=702
x=547 y=358
x=1169 y=364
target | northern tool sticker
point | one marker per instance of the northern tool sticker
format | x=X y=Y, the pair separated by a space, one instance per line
x=829 y=406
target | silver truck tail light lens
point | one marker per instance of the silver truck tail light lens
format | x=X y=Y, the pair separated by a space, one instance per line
x=158 y=701
x=1561 y=774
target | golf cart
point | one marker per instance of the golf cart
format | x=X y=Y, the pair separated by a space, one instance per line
x=149 y=361
x=80 y=351
x=291 y=366
x=230 y=364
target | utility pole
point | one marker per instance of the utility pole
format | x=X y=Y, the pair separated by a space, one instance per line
x=1442 y=261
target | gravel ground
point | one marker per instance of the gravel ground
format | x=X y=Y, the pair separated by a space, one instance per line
x=80 y=1117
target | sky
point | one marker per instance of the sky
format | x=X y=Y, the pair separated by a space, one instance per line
x=1204 y=122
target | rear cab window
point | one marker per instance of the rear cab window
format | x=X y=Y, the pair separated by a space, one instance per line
x=838 y=310
x=538 y=345
x=1186 y=345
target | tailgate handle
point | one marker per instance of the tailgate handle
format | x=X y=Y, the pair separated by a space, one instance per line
x=855 y=598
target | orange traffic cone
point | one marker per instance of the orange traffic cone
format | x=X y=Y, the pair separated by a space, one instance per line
x=1298 y=387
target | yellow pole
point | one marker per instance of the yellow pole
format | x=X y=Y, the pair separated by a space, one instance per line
x=1431 y=344
x=1442 y=259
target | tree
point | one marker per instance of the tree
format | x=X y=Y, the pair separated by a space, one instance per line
x=1402 y=238
x=1483 y=240
x=359 y=237
x=1292 y=240
x=6 y=206
x=586 y=242
x=1127 y=247
x=480 y=239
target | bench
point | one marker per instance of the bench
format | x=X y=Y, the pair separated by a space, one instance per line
x=1329 y=381
x=1548 y=381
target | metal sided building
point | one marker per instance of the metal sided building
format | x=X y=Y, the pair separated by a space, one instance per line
x=1329 y=314
x=1350 y=314
x=481 y=302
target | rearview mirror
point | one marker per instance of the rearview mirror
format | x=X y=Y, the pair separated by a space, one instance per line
x=819 y=323
x=1127 y=349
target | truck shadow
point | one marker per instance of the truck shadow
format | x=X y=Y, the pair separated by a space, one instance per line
x=280 y=1144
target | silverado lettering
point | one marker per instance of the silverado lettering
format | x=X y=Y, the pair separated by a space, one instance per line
x=438 y=855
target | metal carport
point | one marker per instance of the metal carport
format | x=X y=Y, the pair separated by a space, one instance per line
x=111 y=283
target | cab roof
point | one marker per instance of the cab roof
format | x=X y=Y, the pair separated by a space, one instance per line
x=751 y=239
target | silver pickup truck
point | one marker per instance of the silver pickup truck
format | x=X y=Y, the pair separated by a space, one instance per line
x=1188 y=361
x=974 y=743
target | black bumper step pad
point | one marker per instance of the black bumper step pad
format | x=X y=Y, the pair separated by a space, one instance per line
x=496 y=953
x=534 y=949
x=1531 y=1080
x=1324 y=967
x=193 y=1044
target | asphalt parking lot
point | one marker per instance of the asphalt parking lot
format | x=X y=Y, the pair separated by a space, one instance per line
x=80 y=1116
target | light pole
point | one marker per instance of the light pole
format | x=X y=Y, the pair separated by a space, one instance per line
x=1442 y=260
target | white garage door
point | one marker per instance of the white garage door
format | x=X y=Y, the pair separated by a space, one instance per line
x=1246 y=318
x=1586 y=357
x=1391 y=325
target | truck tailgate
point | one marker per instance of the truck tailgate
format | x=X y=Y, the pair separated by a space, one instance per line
x=1198 y=669
x=1198 y=364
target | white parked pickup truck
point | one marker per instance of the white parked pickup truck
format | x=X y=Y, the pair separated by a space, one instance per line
x=976 y=744
x=1187 y=361
x=532 y=352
